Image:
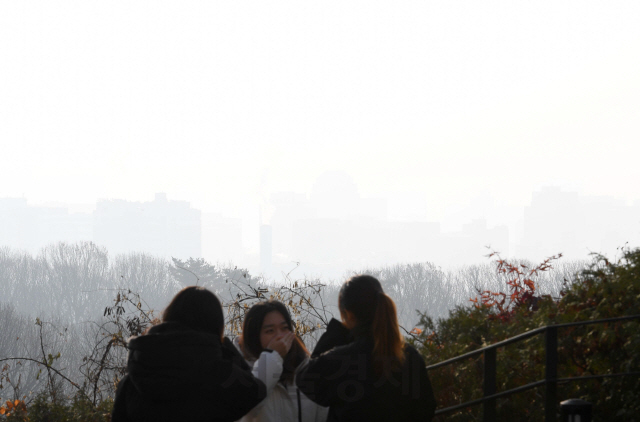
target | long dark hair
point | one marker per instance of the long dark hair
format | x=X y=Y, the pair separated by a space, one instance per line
x=362 y=295
x=196 y=308
x=251 y=336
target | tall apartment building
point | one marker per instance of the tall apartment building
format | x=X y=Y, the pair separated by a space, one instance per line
x=160 y=227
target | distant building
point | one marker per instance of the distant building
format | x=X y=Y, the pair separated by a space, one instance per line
x=161 y=227
x=288 y=207
x=475 y=241
x=27 y=227
x=559 y=221
x=333 y=226
x=266 y=250
x=335 y=196
x=413 y=241
x=222 y=238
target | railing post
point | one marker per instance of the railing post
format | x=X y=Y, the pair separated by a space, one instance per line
x=489 y=385
x=551 y=373
x=576 y=410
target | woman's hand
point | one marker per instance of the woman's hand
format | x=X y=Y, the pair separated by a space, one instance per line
x=282 y=344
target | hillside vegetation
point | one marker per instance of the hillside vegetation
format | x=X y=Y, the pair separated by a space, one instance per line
x=604 y=290
x=66 y=314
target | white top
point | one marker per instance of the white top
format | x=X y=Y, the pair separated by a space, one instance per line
x=281 y=403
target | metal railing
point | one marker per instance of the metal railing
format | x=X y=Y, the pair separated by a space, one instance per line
x=550 y=380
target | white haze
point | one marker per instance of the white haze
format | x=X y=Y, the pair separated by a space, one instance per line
x=462 y=114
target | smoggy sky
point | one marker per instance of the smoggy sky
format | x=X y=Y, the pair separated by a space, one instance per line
x=431 y=104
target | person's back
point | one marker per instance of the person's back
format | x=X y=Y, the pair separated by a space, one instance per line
x=348 y=373
x=180 y=371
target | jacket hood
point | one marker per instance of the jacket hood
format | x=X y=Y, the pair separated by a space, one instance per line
x=172 y=361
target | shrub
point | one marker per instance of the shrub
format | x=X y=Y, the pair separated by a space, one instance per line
x=605 y=290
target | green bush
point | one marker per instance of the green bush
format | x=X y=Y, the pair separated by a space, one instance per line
x=605 y=290
x=43 y=409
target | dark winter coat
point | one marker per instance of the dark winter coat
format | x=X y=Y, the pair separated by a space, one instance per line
x=340 y=375
x=178 y=374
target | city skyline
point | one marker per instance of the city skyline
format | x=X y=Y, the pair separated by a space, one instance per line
x=222 y=104
x=330 y=231
x=436 y=112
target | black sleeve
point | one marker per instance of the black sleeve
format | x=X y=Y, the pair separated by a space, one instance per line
x=336 y=335
x=320 y=377
x=424 y=405
x=241 y=392
x=119 y=413
x=230 y=352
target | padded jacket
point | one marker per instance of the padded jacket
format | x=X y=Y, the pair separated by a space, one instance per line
x=178 y=374
x=284 y=403
x=340 y=375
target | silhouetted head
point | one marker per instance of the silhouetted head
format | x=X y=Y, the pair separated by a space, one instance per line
x=196 y=308
x=363 y=297
x=256 y=334
x=359 y=295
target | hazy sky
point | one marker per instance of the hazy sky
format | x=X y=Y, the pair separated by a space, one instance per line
x=431 y=103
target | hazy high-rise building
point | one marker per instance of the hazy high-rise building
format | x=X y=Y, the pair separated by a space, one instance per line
x=560 y=221
x=160 y=227
x=266 y=249
x=222 y=238
x=288 y=207
x=27 y=227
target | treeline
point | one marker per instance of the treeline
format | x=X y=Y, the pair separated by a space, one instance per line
x=73 y=280
x=76 y=281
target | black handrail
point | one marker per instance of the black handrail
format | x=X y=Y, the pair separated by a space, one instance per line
x=551 y=380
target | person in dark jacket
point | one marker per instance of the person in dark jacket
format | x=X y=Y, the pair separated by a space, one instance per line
x=185 y=370
x=362 y=368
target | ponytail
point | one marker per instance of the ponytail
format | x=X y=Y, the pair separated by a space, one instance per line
x=363 y=296
x=388 y=343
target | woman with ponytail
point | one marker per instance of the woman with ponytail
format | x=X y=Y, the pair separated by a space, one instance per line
x=361 y=367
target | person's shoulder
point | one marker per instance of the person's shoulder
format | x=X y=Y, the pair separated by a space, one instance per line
x=329 y=357
x=346 y=349
x=408 y=348
x=412 y=353
x=335 y=335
